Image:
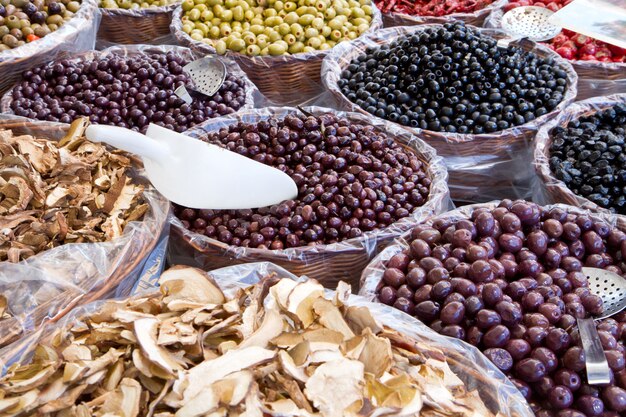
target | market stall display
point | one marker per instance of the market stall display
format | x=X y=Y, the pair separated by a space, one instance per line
x=410 y=13
x=78 y=222
x=128 y=86
x=280 y=347
x=136 y=21
x=32 y=31
x=361 y=184
x=600 y=66
x=478 y=105
x=580 y=156
x=280 y=45
x=506 y=278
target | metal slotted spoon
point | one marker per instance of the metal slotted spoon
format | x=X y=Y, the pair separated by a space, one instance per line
x=207 y=75
x=611 y=288
x=528 y=22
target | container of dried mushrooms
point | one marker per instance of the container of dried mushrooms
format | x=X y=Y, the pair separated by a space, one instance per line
x=262 y=343
x=77 y=223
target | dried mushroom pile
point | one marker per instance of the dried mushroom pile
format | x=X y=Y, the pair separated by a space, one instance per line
x=52 y=193
x=277 y=348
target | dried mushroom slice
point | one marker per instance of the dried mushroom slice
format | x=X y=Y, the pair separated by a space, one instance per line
x=279 y=349
x=52 y=193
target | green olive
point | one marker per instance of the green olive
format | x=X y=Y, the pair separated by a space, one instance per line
x=4 y=31
x=220 y=47
x=13 y=22
x=214 y=32
x=253 y=50
x=237 y=45
x=10 y=41
x=187 y=5
x=73 y=6
x=194 y=14
x=276 y=49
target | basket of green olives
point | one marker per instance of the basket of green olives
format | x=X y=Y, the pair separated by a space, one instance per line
x=33 y=30
x=279 y=44
x=136 y=21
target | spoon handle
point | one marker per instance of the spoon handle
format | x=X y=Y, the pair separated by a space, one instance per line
x=129 y=141
x=595 y=360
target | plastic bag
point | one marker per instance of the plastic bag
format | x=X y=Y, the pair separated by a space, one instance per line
x=476 y=18
x=372 y=275
x=594 y=78
x=252 y=93
x=285 y=79
x=549 y=189
x=326 y=263
x=77 y=34
x=466 y=361
x=48 y=285
x=136 y=26
x=482 y=167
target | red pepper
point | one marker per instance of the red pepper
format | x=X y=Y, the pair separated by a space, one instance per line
x=32 y=37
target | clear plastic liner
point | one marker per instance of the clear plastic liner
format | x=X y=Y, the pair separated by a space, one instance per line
x=252 y=93
x=330 y=263
x=49 y=284
x=136 y=26
x=550 y=189
x=75 y=35
x=285 y=79
x=482 y=167
x=594 y=78
x=474 y=369
x=372 y=275
x=476 y=18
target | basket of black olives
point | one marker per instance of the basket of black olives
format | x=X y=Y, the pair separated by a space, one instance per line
x=361 y=183
x=580 y=156
x=129 y=86
x=478 y=104
x=136 y=21
x=33 y=30
x=506 y=277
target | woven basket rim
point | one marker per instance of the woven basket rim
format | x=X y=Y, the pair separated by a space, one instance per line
x=436 y=198
x=185 y=39
x=331 y=69
x=552 y=184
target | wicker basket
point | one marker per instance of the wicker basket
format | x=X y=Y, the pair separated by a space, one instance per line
x=231 y=66
x=78 y=34
x=594 y=78
x=326 y=263
x=551 y=190
x=482 y=167
x=477 y=18
x=285 y=80
x=147 y=26
x=48 y=285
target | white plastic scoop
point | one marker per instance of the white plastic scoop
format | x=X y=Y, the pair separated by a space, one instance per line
x=196 y=174
x=207 y=76
x=611 y=288
x=528 y=22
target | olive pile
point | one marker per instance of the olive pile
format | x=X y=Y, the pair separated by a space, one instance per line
x=589 y=156
x=23 y=21
x=509 y=281
x=453 y=79
x=134 y=4
x=351 y=179
x=275 y=27
x=130 y=92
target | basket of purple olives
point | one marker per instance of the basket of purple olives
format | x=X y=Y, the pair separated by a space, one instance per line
x=127 y=86
x=580 y=156
x=477 y=104
x=506 y=277
x=32 y=30
x=361 y=183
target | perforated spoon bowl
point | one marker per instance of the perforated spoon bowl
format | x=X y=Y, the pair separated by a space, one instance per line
x=611 y=288
x=528 y=22
x=207 y=75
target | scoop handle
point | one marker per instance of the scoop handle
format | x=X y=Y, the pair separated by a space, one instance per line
x=595 y=360
x=129 y=141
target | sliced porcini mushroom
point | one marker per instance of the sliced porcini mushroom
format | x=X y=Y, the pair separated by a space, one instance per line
x=289 y=366
x=233 y=389
x=331 y=318
x=376 y=354
x=281 y=291
x=173 y=331
x=232 y=361
x=146 y=330
x=8 y=403
x=360 y=318
x=271 y=327
x=63 y=402
x=346 y=379
x=27 y=378
x=189 y=285
x=75 y=352
x=342 y=294
x=301 y=299
x=203 y=403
